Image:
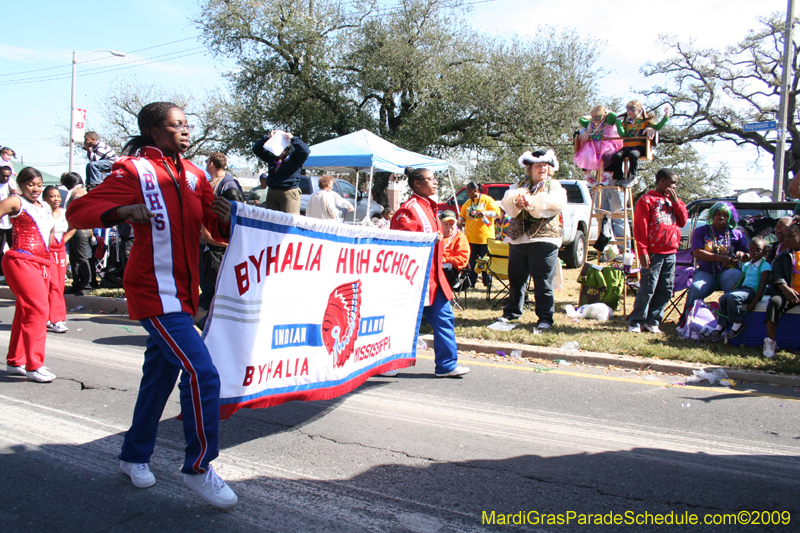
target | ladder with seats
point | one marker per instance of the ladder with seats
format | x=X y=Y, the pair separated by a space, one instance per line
x=626 y=214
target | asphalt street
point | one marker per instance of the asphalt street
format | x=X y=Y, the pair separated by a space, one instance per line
x=508 y=442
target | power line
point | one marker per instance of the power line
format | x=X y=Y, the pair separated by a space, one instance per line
x=111 y=68
x=68 y=65
x=40 y=139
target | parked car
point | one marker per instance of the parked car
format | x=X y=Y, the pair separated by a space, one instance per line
x=577 y=216
x=755 y=218
x=494 y=190
x=310 y=184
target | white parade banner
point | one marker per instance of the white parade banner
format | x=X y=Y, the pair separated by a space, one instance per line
x=307 y=309
x=78 y=125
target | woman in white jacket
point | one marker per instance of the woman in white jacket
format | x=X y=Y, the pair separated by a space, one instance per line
x=325 y=203
x=534 y=235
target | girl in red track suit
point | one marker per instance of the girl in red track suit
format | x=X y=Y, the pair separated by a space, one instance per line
x=167 y=200
x=58 y=255
x=26 y=267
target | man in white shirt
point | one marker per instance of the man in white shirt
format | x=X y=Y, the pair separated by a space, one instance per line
x=325 y=203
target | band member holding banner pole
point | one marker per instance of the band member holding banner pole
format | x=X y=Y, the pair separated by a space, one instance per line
x=418 y=213
x=166 y=199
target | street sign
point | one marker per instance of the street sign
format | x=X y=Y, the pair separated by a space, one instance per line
x=756 y=126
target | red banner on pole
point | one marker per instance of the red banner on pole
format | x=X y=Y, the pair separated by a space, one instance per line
x=78 y=125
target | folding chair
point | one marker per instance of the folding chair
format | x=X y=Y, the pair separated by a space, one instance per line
x=684 y=272
x=460 y=285
x=495 y=263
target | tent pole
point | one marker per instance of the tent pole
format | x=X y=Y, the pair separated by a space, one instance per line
x=355 y=206
x=450 y=179
x=369 y=194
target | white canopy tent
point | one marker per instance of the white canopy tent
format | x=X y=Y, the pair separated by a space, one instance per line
x=364 y=150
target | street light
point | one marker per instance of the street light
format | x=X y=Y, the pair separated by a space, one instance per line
x=72 y=98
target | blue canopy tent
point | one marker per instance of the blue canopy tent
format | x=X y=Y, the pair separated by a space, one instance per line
x=364 y=150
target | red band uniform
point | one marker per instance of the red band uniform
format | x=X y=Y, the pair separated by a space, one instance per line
x=26 y=267
x=162 y=286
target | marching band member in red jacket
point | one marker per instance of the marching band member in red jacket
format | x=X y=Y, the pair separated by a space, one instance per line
x=166 y=199
x=418 y=213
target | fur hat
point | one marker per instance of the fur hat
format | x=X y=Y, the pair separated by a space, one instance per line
x=539 y=156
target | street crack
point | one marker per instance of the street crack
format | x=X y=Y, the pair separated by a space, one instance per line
x=84 y=386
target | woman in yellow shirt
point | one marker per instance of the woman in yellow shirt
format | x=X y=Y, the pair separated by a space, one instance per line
x=477 y=216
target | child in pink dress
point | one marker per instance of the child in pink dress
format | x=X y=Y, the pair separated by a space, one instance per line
x=599 y=141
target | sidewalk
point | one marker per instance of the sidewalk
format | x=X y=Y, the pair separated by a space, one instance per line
x=120 y=306
x=84 y=303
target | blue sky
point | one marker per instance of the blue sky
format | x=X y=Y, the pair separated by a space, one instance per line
x=163 y=47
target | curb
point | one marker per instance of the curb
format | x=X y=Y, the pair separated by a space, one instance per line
x=623 y=361
x=112 y=305
x=87 y=303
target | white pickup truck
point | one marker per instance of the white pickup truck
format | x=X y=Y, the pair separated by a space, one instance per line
x=577 y=222
x=577 y=216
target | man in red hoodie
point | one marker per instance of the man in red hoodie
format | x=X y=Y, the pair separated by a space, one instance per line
x=658 y=217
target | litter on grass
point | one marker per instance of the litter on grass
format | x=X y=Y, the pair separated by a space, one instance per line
x=501 y=326
x=597 y=311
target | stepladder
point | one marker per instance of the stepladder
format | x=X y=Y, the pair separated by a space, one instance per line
x=616 y=204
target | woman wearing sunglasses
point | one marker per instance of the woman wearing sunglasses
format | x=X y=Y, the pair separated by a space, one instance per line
x=167 y=200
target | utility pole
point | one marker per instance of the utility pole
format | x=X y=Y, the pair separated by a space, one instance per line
x=780 y=148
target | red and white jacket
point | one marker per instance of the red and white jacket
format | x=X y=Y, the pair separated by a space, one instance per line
x=419 y=214
x=657 y=223
x=162 y=274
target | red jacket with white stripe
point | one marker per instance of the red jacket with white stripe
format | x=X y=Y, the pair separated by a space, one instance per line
x=162 y=274
x=419 y=214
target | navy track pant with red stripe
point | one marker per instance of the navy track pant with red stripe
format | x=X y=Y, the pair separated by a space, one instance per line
x=175 y=347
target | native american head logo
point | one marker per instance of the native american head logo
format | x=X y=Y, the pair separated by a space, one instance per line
x=340 y=325
x=191 y=181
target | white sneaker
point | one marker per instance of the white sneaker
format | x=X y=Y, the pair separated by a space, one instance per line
x=651 y=329
x=16 y=370
x=140 y=474
x=211 y=488
x=457 y=371
x=58 y=327
x=389 y=374
x=40 y=375
x=769 y=348
x=635 y=329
